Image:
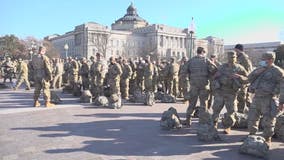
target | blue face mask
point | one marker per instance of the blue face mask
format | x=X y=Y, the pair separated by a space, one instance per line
x=262 y=63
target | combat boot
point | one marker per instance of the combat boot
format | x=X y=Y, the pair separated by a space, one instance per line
x=36 y=103
x=268 y=141
x=227 y=130
x=187 y=122
x=48 y=104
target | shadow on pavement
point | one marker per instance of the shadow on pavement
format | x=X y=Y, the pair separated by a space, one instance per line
x=138 y=137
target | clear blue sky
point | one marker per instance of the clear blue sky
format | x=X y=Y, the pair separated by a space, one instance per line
x=238 y=21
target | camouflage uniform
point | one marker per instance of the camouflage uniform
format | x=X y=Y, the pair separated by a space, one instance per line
x=155 y=77
x=183 y=79
x=148 y=76
x=173 y=77
x=124 y=82
x=84 y=73
x=73 y=73
x=132 y=81
x=243 y=96
x=227 y=87
x=113 y=80
x=23 y=75
x=58 y=72
x=200 y=69
x=267 y=83
x=42 y=77
x=97 y=72
x=140 y=76
x=8 y=70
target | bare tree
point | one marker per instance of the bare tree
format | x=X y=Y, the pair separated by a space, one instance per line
x=101 y=42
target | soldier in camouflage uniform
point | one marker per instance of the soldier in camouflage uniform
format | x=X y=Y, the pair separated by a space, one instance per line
x=42 y=77
x=84 y=73
x=132 y=81
x=8 y=70
x=267 y=83
x=155 y=77
x=213 y=58
x=22 y=75
x=228 y=80
x=114 y=74
x=140 y=74
x=73 y=73
x=200 y=69
x=183 y=78
x=173 y=77
x=58 y=72
x=148 y=74
x=97 y=72
x=124 y=82
x=243 y=96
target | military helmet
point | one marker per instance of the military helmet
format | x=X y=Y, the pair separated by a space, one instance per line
x=268 y=55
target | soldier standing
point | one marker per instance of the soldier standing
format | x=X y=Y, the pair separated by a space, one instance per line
x=243 y=96
x=200 y=69
x=8 y=69
x=97 y=72
x=73 y=74
x=42 y=77
x=124 y=82
x=84 y=73
x=148 y=74
x=173 y=77
x=183 y=78
x=267 y=83
x=213 y=58
x=140 y=74
x=114 y=73
x=23 y=75
x=58 y=72
x=228 y=80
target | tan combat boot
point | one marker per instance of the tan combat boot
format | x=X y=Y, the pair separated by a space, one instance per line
x=227 y=130
x=48 y=104
x=36 y=103
x=268 y=141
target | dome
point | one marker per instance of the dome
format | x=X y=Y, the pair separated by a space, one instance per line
x=131 y=15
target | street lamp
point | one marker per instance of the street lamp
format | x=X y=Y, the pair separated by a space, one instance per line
x=66 y=47
x=191 y=32
x=33 y=46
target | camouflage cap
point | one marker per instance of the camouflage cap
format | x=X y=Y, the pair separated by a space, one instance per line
x=213 y=56
x=231 y=54
x=268 y=55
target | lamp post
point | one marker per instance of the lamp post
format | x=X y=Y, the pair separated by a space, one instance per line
x=66 y=47
x=33 y=46
x=191 y=32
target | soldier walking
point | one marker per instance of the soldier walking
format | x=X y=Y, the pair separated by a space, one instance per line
x=22 y=75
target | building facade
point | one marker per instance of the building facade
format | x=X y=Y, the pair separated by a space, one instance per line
x=132 y=36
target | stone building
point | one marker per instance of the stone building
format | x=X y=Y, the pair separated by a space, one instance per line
x=132 y=36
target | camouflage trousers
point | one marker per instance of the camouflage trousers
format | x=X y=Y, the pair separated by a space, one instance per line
x=261 y=106
x=85 y=82
x=114 y=85
x=124 y=87
x=42 y=84
x=183 y=84
x=73 y=79
x=221 y=99
x=21 y=80
x=243 y=99
x=57 y=81
x=173 y=86
x=148 y=84
x=194 y=93
x=97 y=86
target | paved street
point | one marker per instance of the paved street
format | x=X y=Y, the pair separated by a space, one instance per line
x=74 y=131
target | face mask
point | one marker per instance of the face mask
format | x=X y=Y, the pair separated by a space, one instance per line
x=262 y=63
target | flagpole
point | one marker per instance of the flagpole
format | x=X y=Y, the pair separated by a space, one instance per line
x=191 y=32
